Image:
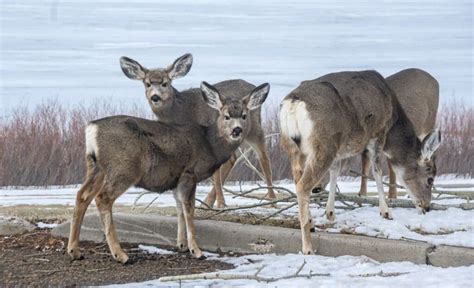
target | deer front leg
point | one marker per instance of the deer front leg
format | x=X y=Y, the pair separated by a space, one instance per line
x=375 y=148
x=333 y=174
x=186 y=192
x=365 y=171
x=104 y=205
x=181 y=245
x=392 y=191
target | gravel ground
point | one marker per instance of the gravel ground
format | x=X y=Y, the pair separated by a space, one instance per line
x=39 y=259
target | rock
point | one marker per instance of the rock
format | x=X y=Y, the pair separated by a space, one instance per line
x=13 y=225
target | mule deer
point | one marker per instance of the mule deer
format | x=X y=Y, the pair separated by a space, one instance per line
x=418 y=94
x=172 y=106
x=123 y=151
x=337 y=116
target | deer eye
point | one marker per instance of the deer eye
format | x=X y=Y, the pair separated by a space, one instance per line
x=227 y=117
x=164 y=84
x=244 y=116
x=147 y=85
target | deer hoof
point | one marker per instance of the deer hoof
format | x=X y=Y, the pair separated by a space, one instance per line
x=121 y=257
x=182 y=248
x=75 y=254
x=330 y=215
x=386 y=215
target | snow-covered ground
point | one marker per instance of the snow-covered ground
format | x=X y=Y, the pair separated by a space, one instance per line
x=344 y=271
x=453 y=226
x=69 y=50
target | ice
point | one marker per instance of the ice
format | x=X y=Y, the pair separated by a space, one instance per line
x=69 y=50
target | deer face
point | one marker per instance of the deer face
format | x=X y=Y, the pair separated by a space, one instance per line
x=419 y=176
x=158 y=82
x=233 y=121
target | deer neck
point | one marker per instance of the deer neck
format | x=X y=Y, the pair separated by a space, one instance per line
x=221 y=148
x=402 y=145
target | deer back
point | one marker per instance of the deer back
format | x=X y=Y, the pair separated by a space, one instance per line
x=418 y=94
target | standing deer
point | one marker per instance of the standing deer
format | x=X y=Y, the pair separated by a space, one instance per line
x=418 y=94
x=172 y=106
x=124 y=151
x=339 y=115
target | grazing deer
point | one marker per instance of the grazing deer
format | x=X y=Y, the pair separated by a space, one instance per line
x=418 y=94
x=339 y=115
x=124 y=151
x=172 y=106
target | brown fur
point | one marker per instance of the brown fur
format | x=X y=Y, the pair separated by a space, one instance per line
x=129 y=151
x=349 y=112
x=183 y=106
x=418 y=94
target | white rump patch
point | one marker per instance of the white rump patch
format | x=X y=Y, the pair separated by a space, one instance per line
x=296 y=124
x=91 y=139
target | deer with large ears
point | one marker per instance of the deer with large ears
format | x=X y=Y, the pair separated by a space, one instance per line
x=124 y=151
x=329 y=119
x=418 y=94
x=173 y=106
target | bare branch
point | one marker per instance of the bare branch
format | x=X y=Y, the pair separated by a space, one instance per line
x=224 y=276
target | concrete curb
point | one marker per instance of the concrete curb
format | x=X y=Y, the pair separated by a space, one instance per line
x=227 y=236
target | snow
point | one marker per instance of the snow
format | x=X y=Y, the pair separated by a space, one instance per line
x=69 y=50
x=154 y=250
x=451 y=227
x=343 y=271
x=46 y=225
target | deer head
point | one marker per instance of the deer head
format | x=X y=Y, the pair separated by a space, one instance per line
x=158 y=82
x=418 y=177
x=233 y=121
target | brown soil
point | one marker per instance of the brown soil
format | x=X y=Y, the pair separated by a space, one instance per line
x=39 y=259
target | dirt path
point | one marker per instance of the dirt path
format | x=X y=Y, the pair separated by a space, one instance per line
x=38 y=259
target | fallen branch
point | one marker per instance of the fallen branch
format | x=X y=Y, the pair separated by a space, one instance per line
x=276 y=213
x=255 y=276
x=380 y=274
x=223 y=210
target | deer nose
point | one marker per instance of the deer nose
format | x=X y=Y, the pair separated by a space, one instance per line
x=236 y=131
x=155 y=98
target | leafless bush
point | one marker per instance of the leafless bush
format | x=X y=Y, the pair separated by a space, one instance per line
x=45 y=146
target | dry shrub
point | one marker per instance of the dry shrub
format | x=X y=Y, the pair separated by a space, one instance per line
x=45 y=146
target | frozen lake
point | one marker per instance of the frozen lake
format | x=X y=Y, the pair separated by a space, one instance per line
x=69 y=50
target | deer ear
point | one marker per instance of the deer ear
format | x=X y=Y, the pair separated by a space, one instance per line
x=256 y=98
x=180 y=67
x=132 y=69
x=211 y=96
x=430 y=144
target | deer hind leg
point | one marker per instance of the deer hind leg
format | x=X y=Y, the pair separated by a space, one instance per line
x=334 y=171
x=216 y=194
x=259 y=147
x=83 y=198
x=314 y=170
x=182 y=245
x=375 y=149
x=365 y=171
x=186 y=193
x=104 y=202
x=392 y=191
